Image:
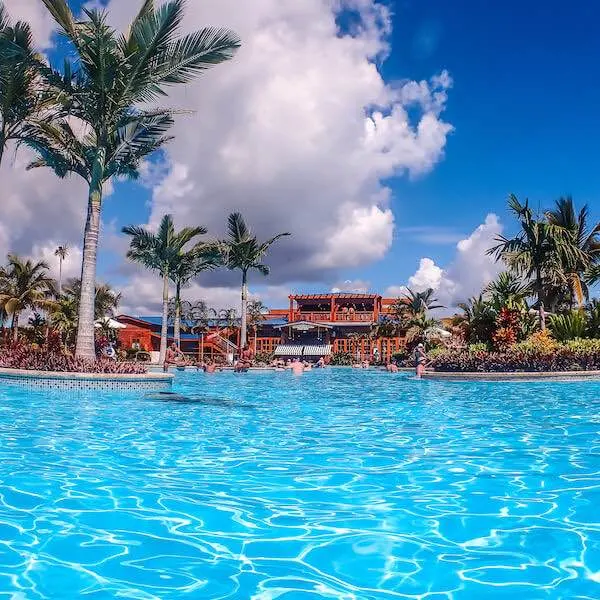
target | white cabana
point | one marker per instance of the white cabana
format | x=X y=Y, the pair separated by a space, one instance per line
x=110 y=323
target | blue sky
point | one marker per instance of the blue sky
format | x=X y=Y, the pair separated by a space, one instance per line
x=523 y=108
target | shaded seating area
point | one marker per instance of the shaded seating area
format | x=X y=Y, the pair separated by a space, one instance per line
x=311 y=351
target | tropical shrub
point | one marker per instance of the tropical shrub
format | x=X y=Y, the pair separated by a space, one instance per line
x=593 y=319
x=49 y=357
x=507 y=329
x=568 y=326
x=264 y=358
x=541 y=341
x=576 y=357
x=342 y=359
x=479 y=347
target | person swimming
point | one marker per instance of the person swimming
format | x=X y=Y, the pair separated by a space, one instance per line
x=297 y=367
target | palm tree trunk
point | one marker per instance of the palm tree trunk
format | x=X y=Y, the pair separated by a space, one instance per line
x=15 y=326
x=85 y=347
x=541 y=312
x=60 y=275
x=244 y=319
x=165 y=319
x=177 y=325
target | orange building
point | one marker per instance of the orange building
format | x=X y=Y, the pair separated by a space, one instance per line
x=313 y=325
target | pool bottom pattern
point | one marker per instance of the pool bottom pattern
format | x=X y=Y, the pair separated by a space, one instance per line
x=336 y=484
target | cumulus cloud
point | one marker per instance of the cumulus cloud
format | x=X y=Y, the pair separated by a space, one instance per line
x=468 y=272
x=356 y=285
x=299 y=133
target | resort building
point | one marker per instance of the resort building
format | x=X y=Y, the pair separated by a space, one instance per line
x=314 y=325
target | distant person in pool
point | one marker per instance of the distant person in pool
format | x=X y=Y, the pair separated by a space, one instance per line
x=420 y=360
x=175 y=357
x=392 y=367
x=297 y=367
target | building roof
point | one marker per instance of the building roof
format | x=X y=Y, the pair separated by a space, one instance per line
x=304 y=324
x=339 y=295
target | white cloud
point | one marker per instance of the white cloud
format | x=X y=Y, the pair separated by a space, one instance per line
x=299 y=131
x=356 y=285
x=468 y=272
x=36 y=15
x=71 y=266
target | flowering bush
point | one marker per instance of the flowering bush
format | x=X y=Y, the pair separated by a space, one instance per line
x=569 y=357
x=541 y=341
x=20 y=355
x=342 y=359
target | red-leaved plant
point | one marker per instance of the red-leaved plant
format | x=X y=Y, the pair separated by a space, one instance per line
x=52 y=357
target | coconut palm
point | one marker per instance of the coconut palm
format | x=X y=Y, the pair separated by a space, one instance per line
x=243 y=252
x=24 y=101
x=161 y=252
x=478 y=320
x=106 y=91
x=24 y=285
x=414 y=304
x=61 y=252
x=63 y=317
x=256 y=314
x=539 y=252
x=106 y=300
x=185 y=267
x=508 y=290
x=585 y=235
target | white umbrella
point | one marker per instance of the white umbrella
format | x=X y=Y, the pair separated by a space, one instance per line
x=110 y=323
x=433 y=332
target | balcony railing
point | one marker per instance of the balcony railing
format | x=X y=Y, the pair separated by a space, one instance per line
x=346 y=317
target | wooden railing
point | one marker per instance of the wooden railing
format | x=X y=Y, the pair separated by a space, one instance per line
x=266 y=344
x=364 y=349
x=325 y=316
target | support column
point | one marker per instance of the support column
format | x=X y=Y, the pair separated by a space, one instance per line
x=332 y=308
x=291 y=313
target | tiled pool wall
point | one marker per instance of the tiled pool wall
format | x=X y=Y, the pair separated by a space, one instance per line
x=151 y=382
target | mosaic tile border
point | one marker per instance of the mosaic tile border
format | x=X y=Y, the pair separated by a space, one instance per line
x=150 y=382
x=509 y=376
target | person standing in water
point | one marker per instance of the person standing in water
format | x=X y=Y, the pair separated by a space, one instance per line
x=420 y=360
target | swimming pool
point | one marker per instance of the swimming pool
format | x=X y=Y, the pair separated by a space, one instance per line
x=336 y=484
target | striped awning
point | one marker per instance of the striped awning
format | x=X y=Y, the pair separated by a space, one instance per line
x=321 y=350
x=308 y=351
x=288 y=350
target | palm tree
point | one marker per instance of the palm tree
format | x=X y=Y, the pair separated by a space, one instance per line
x=256 y=314
x=24 y=101
x=161 y=252
x=187 y=266
x=414 y=304
x=243 y=252
x=478 y=320
x=508 y=290
x=585 y=236
x=106 y=300
x=61 y=252
x=539 y=252
x=25 y=285
x=63 y=317
x=107 y=89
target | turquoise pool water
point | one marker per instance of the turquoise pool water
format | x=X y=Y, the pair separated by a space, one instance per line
x=337 y=484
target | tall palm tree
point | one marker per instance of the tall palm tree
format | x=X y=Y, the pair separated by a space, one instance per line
x=539 y=252
x=106 y=300
x=61 y=252
x=25 y=285
x=243 y=252
x=187 y=266
x=161 y=252
x=107 y=89
x=255 y=315
x=24 y=101
x=585 y=235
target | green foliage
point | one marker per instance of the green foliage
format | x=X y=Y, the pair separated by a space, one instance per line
x=342 y=359
x=479 y=347
x=568 y=326
x=540 y=342
x=583 y=345
x=264 y=358
x=593 y=319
